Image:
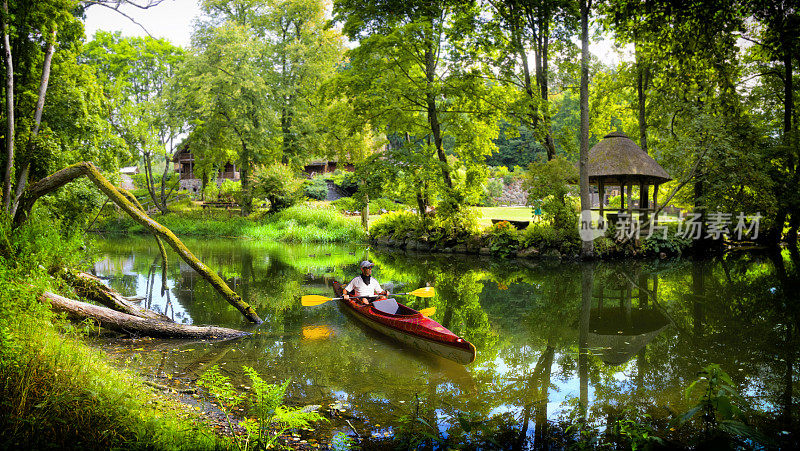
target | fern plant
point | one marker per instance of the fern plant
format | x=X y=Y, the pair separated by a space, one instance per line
x=268 y=418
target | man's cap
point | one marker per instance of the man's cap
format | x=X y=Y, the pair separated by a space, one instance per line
x=366 y=264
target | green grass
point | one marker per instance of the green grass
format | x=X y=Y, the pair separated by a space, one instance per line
x=306 y=223
x=58 y=392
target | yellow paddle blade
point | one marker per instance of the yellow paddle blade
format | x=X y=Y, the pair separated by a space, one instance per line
x=424 y=292
x=428 y=311
x=310 y=300
x=317 y=332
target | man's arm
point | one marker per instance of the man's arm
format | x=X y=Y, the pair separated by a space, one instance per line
x=378 y=289
x=347 y=290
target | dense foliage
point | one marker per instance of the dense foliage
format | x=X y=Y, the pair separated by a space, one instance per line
x=438 y=87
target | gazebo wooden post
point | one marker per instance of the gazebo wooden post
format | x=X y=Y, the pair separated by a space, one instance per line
x=655 y=203
x=630 y=200
x=622 y=195
x=644 y=201
x=601 y=195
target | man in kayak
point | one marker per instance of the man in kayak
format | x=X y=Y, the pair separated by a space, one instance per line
x=365 y=284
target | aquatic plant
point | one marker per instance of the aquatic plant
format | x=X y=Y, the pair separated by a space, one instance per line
x=720 y=407
x=342 y=442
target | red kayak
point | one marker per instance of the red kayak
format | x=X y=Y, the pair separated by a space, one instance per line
x=412 y=328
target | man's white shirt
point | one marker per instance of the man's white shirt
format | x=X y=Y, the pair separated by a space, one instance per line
x=362 y=289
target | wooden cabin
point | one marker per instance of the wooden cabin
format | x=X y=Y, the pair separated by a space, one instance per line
x=184 y=166
x=319 y=167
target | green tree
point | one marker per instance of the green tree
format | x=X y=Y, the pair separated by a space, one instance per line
x=224 y=92
x=776 y=42
x=519 y=27
x=135 y=73
x=253 y=84
x=406 y=81
x=303 y=53
x=685 y=81
x=548 y=188
x=54 y=114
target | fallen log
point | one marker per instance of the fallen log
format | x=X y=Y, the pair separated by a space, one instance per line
x=135 y=325
x=90 y=287
x=183 y=391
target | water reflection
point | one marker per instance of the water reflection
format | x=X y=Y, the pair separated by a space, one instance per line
x=555 y=341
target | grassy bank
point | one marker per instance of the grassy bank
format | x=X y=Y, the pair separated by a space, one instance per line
x=55 y=391
x=305 y=223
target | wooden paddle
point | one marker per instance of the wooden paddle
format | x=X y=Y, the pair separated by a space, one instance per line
x=311 y=300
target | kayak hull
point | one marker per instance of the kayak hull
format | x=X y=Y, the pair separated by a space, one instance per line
x=413 y=329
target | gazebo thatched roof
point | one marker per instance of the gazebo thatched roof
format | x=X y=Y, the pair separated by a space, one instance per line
x=620 y=336
x=618 y=159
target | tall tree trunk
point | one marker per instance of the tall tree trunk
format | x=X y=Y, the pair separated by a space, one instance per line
x=421 y=205
x=365 y=213
x=433 y=117
x=544 y=32
x=247 y=196
x=286 y=131
x=642 y=84
x=587 y=245
x=788 y=94
x=164 y=179
x=533 y=111
x=775 y=232
x=701 y=244
x=9 y=112
x=22 y=181
x=149 y=179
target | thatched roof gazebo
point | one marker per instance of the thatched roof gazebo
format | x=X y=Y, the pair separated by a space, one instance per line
x=617 y=160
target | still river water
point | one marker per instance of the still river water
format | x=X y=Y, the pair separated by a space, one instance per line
x=624 y=338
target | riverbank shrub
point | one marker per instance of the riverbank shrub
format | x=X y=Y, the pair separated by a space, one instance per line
x=549 y=190
x=376 y=206
x=316 y=188
x=503 y=239
x=308 y=224
x=279 y=184
x=672 y=244
x=230 y=191
x=546 y=238
x=440 y=231
x=397 y=225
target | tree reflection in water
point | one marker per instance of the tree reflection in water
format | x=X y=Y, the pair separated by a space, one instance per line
x=557 y=342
